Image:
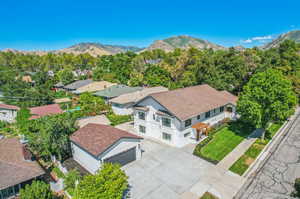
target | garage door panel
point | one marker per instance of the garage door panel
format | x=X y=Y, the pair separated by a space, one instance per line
x=123 y=157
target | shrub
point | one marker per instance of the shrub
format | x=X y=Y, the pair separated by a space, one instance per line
x=118 y=119
x=58 y=172
x=37 y=189
x=296 y=193
x=70 y=180
x=208 y=195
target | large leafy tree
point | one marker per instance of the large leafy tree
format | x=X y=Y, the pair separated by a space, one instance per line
x=91 y=105
x=267 y=97
x=37 y=190
x=109 y=183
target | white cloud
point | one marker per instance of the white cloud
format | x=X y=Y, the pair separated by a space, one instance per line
x=268 y=37
x=247 y=41
x=260 y=39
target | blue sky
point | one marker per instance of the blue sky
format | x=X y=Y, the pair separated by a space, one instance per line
x=53 y=24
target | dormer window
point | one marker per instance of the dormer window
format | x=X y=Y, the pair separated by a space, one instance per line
x=166 y=121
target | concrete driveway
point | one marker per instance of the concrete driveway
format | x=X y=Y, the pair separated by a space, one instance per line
x=170 y=173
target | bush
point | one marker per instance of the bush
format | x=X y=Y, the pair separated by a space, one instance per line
x=109 y=182
x=296 y=193
x=70 y=181
x=208 y=195
x=118 y=119
x=58 y=172
x=37 y=190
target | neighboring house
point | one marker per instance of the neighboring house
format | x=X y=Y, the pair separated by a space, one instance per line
x=182 y=116
x=58 y=87
x=8 y=113
x=41 y=111
x=95 y=144
x=94 y=86
x=99 y=119
x=123 y=104
x=77 y=84
x=115 y=91
x=17 y=167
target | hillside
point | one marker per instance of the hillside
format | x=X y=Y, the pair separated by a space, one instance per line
x=96 y=49
x=292 y=35
x=183 y=42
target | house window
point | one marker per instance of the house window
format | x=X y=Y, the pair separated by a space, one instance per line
x=166 y=122
x=142 y=129
x=153 y=116
x=198 y=117
x=187 y=134
x=222 y=109
x=207 y=114
x=142 y=115
x=166 y=136
x=187 y=122
x=215 y=110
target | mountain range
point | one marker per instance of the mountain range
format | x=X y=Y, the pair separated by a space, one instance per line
x=169 y=44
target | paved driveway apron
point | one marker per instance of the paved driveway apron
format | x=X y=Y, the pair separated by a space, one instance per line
x=170 y=173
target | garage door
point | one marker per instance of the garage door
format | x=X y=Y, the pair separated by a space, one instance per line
x=124 y=157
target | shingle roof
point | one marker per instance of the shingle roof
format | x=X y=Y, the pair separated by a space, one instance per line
x=116 y=90
x=188 y=102
x=94 y=86
x=96 y=138
x=77 y=84
x=138 y=95
x=9 y=107
x=41 y=111
x=13 y=168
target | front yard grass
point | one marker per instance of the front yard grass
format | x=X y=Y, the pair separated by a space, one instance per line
x=243 y=163
x=223 y=141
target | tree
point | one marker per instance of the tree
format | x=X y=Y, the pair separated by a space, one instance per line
x=109 y=183
x=71 y=179
x=65 y=76
x=37 y=190
x=49 y=135
x=267 y=97
x=91 y=105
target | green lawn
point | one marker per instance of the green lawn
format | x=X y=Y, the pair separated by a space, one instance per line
x=225 y=140
x=243 y=163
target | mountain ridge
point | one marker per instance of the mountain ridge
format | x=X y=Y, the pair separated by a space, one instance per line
x=293 y=35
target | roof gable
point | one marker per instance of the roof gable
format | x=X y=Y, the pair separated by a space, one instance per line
x=187 y=102
x=97 y=138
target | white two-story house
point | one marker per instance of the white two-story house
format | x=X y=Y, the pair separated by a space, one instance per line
x=182 y=116
x=8 y=113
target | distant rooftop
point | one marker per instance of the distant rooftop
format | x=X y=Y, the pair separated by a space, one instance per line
x=116 y=90
x=78 y=84
x=45 y=110
x=137 y=95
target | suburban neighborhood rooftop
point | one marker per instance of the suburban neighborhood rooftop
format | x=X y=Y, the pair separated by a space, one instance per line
x=136 y=96
x=41 y=111
x=77 y=84
x=94 y=86
x=14 y=169
x=185 y=103
x=96 y=138
x=9 y=107
x=117 y=90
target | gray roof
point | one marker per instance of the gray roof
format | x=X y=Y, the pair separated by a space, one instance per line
x=77 y=84
x=117 y=90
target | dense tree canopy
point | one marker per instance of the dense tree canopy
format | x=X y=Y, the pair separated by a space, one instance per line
x=267 y=97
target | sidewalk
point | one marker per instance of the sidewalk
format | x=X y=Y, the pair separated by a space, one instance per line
x=234 y=155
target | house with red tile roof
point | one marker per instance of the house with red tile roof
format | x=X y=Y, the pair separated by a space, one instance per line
x=95 y=144
x=184 y=115
x=41 y=111
x=8 y=113
x=17 y=168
